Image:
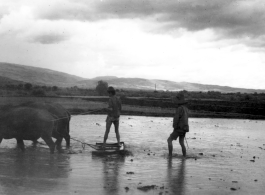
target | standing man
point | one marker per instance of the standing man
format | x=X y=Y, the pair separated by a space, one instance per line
x=180 y=124
x=114 y=111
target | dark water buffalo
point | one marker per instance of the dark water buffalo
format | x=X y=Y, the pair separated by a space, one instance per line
x=61 y=117
x=24 y=123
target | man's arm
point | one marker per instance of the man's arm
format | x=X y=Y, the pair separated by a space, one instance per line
x=120 y=105
x=178 y=114
x=176 y=118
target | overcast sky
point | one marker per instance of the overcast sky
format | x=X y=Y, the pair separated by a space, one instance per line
x=202 y=41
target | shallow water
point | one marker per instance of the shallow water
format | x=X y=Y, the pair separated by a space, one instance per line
x=224 y=157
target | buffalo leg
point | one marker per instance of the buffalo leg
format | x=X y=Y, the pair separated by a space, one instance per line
x=58 y=143
x=1 y=139
x=48 y=140
x=34 y=142
x=66 y=135
x=67 y=140
x=20 y=144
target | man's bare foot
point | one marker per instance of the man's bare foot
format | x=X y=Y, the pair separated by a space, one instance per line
x=103 y=146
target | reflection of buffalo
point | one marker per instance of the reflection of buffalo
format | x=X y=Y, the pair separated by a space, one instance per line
x=34 y=173
x=61 y=116
x=25 y=123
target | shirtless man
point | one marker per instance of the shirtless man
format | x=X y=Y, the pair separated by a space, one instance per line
x=114 y=111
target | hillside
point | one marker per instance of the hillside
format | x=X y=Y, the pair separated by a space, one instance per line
x=145 y=84
x=21 y=73
x=36 y=75
x=7 y=81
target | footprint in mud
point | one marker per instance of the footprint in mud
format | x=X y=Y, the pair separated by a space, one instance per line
x=147 y=188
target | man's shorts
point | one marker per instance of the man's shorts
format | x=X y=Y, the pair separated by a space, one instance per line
x=111 y=120
x=175 y=134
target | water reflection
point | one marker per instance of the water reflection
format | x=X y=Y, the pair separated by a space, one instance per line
x=31 y=172
x=176 y=177
x=111 y=172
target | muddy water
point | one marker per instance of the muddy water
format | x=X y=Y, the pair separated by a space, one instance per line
x=224 y=157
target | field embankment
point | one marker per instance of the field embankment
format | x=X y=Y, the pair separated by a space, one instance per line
x=147 y=107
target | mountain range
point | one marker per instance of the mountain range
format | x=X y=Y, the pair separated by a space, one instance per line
x=15 y=74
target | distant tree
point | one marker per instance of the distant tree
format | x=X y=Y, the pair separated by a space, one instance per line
x=184 y=91
x=102 y=87
x=247 y=97
x=49 y=88
x=54 y=88
x=36 y=87
x=44 y=87
x=38 y=92
x=20 y=86
x=10 y=86
x=74 y=88
x=232 y=98
x=28 y=86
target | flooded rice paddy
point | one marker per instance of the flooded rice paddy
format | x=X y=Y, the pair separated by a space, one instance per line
x=225 y=156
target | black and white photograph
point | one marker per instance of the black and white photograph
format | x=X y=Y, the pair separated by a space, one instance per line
x=132 y=97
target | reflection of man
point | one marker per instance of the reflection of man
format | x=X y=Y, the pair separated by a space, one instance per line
x=180 y=124
x=110 y=169
x=176 y=178
x=114 y=111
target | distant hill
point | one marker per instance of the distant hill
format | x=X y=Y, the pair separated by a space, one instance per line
x=7 y=81
x=105 y=78
x=153 y=84
x=36 y=75
x=14 y=73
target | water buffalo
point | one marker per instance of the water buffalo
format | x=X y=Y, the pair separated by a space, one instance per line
x=61 y=116
x=24 y=123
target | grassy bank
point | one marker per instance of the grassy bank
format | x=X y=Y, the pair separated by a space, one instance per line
x=79 y=105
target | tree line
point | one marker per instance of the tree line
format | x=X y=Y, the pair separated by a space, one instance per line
x=24 y=89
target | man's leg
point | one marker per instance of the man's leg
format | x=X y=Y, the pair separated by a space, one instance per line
x=116 y=125
x=170 y=146
x=108 y=125
x=181 y=142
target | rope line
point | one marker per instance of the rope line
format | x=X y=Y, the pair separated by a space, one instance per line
x=83 y=113
x=84 y=144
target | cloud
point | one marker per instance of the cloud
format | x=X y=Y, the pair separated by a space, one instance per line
x=236 y=19
x=49 y=38
x=232 y=17
x=20 y=23
x=2 y=12
x=68 y=10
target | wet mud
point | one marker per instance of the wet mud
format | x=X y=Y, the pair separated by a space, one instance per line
x=224 y=156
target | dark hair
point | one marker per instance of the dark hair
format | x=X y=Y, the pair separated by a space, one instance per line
x=111 y=90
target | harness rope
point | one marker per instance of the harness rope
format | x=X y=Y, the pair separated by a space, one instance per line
x=84 y=144
x=78 y=114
